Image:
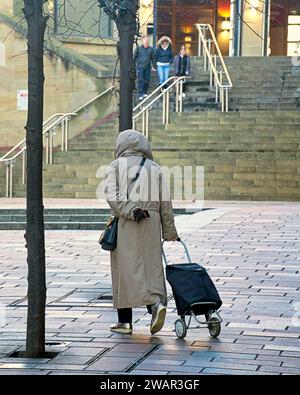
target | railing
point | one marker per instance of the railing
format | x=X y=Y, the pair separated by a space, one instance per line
x=49 y=127
x=210 y=63
x=161 y=92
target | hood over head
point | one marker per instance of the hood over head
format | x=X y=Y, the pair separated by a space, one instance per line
x=132 y=143
x=162 y=39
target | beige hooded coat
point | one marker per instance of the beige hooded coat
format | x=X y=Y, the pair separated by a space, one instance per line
x=136 y=264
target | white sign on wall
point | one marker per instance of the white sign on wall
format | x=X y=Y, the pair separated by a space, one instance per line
x=2 y=54
x=22 y=100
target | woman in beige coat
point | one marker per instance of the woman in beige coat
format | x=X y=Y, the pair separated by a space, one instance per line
x=145 y=214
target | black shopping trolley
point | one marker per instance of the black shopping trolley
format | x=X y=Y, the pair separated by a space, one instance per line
x=195 y=294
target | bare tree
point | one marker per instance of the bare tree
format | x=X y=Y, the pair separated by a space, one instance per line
x=35 y=239
x=124 y=13
x=126 y=19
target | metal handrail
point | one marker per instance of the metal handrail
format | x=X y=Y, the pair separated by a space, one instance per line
x=2 y=159
x=154 y=92
x=208 y=26
x=57 y=122
x=59 y=114
x=158 y=97
x=48 y=131
x=165 y=95
x=216 y=76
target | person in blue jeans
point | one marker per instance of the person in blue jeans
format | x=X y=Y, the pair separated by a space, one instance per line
x=144 y=57
x=164 y=58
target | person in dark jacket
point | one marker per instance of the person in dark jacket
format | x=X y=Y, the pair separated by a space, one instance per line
x=164 y=58
x=182 y=65
x=144 y=57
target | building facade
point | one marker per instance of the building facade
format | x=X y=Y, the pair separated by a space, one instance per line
x=242 y=27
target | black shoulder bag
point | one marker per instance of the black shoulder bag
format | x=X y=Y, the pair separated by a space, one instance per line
x=108 y=239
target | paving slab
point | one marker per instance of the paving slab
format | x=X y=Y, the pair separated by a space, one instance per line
x=251 y=250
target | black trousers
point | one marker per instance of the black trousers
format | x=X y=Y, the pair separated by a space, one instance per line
x=144 y=74
x=125 y=315
x=183 y=86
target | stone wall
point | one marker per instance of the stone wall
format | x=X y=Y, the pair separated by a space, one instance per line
x=66 y=88
x=7 y=6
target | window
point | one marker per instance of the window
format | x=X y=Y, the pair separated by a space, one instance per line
x=294 y=35
x=81 y=19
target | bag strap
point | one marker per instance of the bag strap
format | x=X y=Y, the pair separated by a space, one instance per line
x=140 y=170
x=138 y=173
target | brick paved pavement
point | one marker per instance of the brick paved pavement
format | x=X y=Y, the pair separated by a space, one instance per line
x=253 y=254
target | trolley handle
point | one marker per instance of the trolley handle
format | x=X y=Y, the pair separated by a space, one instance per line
x=185 y=249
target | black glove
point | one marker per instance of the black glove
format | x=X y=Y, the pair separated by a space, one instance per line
x=139 y=214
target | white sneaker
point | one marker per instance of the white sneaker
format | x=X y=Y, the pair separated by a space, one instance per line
x=125 y=329
x=141 y=98
x=145 y=96
x=158 y=317
x=183 y=95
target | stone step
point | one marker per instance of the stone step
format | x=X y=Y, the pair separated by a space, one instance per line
x=263 y=107
x=63 y=219
x=55 y=225
x=60 y=211
x=54 y=218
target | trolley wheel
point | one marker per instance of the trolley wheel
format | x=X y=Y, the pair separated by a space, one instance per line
x=214 y=327
x=180 y=328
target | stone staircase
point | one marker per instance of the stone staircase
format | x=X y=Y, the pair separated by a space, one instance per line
x=73 y=173
x=247 y=155
x=251 y=153
x=258 y=84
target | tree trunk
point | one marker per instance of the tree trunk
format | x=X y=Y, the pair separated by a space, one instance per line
x=35 y=240
x=127 y=28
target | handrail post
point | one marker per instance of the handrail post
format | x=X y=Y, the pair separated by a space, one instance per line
x=147 y=123
x=221 y=91
x=205 y=56
x=164 y=109
x=144 y=123
x=168 y=107
x=207 y=65
x=47 y=148
x=181 y=96
x=7 y=179
x=226 y=99
x=209 y=45
x=63 y=135
x=221 y=77
x=67 y=133
x=11 y=179
x=215 y=64
x=177 y=96
x=211 y=77
x=51 y=147
x=222 y=98
x=218 y=88
x=23 y=166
